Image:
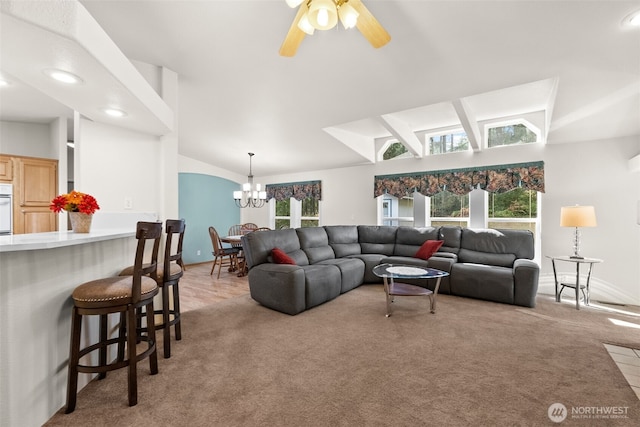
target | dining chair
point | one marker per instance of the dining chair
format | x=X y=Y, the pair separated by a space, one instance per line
x=248 y=227
x=222 y=256
x=123 y=295
x=235 y=230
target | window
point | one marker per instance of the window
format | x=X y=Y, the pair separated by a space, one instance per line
x=310 y=215
x=397 y=211
x=294 y=204
x=448 y=143
x=282 y=214
x=449 y=209
x=394 y=150
x=517 y=133
x=291 y=213
x=517 y=209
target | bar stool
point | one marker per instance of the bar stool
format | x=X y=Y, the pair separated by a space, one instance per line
x=168 y=275
x=124 y=295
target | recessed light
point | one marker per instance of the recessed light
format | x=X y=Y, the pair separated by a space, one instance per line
x=114 y=112
x=63 y=76
x=632 y=20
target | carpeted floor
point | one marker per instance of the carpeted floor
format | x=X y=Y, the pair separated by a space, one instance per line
x=345 y=364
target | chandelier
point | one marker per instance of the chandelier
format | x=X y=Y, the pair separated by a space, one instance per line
x=251 y=196
x=324 y=14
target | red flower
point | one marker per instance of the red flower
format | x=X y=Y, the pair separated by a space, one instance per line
x=74 y=202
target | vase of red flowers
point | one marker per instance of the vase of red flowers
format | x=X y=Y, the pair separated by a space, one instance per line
x=81 y=207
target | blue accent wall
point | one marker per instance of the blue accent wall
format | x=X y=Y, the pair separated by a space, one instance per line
x=204 y=201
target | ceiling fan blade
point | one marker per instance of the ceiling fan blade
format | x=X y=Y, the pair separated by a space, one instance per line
x=369 y=26
x=295 y=34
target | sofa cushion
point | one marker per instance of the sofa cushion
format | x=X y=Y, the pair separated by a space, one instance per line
x=498 y=241
x=377 y=239
x=343 y=239
x=315 y=243
x=475 y=257
x=451 y=236
x=351 y=272
x=258 y=246
x=322 y=283
x=483 y=282
x=428 y=248
x=370 y=261
x=280 y=257
x=409 y=239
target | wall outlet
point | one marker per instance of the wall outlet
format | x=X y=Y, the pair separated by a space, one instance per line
x=128 y=203
x=198 y=252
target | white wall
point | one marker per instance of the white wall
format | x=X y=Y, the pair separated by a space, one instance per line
x=590 y=173
x=27 y=139
x=114 y=164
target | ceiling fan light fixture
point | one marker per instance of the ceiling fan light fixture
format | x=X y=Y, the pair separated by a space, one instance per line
x=305 y=25
x=323 y=14
x=348 y=16
x=294 y=3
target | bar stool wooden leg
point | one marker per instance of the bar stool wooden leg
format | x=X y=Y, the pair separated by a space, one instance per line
x=74 y=352
x=176 y=311
x=165 y=321
x=133 y=357
x=102 y=354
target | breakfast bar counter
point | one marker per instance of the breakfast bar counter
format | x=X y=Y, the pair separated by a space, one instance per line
x=38 y=273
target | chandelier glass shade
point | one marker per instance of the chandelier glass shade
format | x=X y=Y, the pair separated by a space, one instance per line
x=251 y=195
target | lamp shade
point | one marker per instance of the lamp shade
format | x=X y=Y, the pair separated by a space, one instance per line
x=577 y=216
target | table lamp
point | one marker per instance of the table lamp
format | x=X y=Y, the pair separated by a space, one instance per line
x=577 y=216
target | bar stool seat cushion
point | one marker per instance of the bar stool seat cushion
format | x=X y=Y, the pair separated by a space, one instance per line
x=173 y=270
x=111 y=291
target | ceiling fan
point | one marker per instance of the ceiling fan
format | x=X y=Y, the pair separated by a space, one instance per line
x=324 y=14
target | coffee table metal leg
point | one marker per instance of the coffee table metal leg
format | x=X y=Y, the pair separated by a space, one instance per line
x=433 y=296
x=389 y=297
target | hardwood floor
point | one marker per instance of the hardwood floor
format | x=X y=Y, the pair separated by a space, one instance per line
x=199 y=289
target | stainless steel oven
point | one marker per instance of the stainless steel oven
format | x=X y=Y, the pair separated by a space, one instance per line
x=6 y=209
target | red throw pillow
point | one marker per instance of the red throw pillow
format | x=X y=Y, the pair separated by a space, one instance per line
x=428 y=248
x=280 y=257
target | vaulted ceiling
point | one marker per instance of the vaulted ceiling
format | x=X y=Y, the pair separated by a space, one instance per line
x=449 y=64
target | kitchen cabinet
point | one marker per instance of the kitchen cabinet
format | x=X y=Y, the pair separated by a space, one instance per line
x=35 y=183
x=6 y=169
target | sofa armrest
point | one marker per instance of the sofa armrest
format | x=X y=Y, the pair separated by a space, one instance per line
x=278 y=286
x=525 y=281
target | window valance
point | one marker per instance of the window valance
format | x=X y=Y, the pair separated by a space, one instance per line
x=494 y=179
x=297 y=190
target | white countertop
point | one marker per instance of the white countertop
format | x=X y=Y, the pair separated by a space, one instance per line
x=57 y=239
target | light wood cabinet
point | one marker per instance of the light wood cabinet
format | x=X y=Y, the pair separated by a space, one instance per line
x=6 y=169
x=35 y=184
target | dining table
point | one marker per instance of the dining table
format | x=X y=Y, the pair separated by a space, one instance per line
x=235 y=240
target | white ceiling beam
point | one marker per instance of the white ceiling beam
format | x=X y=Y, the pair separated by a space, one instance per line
x=362 y=145
x=469 y=122
x=404 y=133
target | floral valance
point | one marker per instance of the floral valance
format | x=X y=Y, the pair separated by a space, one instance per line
x=297 y=190
x=494 y=179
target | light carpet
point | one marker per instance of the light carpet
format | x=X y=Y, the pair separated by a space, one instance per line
x=345 y=364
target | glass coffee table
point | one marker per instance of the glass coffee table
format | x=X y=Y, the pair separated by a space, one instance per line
x=390 y=272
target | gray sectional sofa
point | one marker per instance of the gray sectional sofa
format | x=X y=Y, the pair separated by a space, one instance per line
x=490 y=264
